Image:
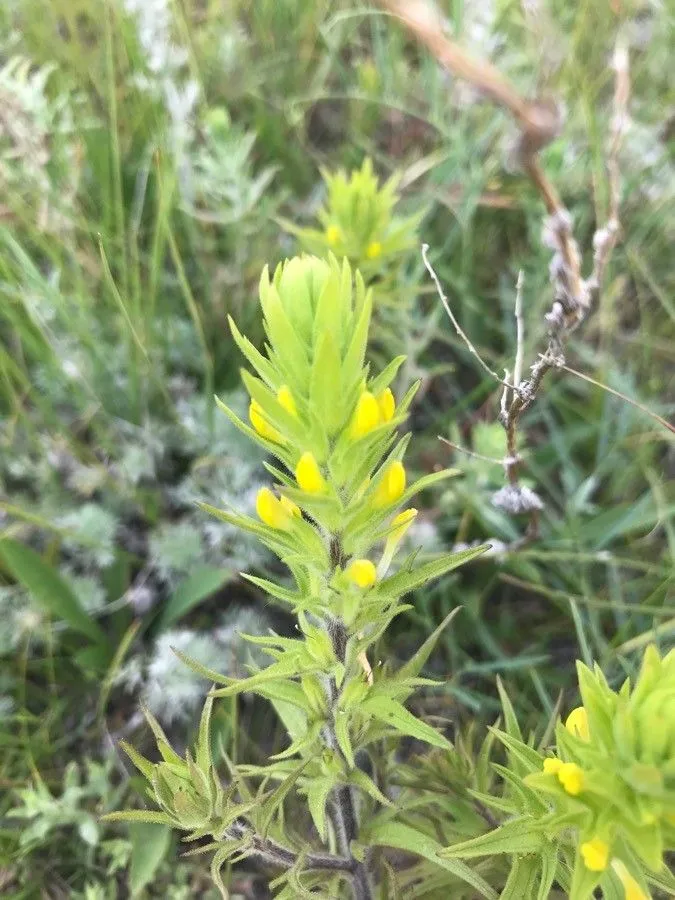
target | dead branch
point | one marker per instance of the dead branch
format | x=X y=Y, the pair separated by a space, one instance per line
x=573 y=294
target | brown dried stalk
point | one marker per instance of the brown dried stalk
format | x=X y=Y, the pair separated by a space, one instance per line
x=573 y=295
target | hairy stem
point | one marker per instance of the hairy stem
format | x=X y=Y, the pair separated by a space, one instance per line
x=343 y=813
x=276 y=854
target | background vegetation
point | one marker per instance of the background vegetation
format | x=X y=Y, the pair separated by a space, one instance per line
x=152 y=153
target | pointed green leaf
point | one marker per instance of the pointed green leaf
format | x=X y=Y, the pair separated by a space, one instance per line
x=522 y=877
x=318 y=791
x=403 y=837
x=404 y=581
x=150 y=843
x=325 y=390
x=261 y=365
x=204 y=738
x=144 y=766
x=518 y=836
x=392 y=713
x=198 y=586
x=414 y=665
x=368 y=786
x=47 y=588
x=549 y=868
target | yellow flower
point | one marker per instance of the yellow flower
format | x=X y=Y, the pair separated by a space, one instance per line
x=571 y=776
x=291 y=508
x=552 y=766
x=401 y=523
x=366 y=415
x=373 y=250
x=391 y=486
x=271 y=511
x=577 y=723
x=260 y=423
x=333 y=234
x=362 y=572
x=286 y=400
x=308 y=474
x=387 y=404
x=631 y=888
x=595 y=854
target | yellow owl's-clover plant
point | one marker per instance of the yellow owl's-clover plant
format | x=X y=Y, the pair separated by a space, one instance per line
x=336 y=508
x=599 y=811
x=357 y=221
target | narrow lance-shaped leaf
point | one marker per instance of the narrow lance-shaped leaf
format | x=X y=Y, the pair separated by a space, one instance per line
x=47 y=588
x=518 y=836
x=387 y=710
x=403 y=837
x=414 y=665
x=405 y=581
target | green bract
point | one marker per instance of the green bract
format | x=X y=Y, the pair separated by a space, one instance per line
x=358 y=221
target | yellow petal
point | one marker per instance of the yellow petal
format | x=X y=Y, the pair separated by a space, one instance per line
x=391 y=486
x=366 y=415
x=270 y=510
x=401 y=523
x=260 y=423
x=631 y=887
x=577 y=723
x=571 y=776
x=286 y=400
x=552 y=766
x=308 y=474
x=362 y=572
x=387 y=405
x=291 y=508
x=373 y=250
x=595 y=854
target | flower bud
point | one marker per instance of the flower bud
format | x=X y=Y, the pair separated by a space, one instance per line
x=595 y=854
x=273 y=512
x=308 y=474
x=577 y=723
x=292 y=508
x=362 y=573
x=373 y=250
x=391 y=486
x=260 y=423
x=552 y=766
x=387 y=404
x=571 y=776
x=366 y=416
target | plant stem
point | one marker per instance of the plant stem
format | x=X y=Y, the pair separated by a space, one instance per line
x=343 y=812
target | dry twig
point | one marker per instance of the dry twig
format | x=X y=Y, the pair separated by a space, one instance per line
x=573 y=295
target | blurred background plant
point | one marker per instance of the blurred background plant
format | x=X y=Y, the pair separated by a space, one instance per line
x=148 y=151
